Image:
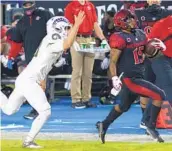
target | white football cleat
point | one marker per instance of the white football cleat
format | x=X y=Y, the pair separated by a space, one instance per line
x=31 y=145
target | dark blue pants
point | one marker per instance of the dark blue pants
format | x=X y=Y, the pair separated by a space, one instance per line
x=135 y=87
x=161 y=67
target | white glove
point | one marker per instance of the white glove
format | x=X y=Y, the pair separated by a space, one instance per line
x=61 y=62
x=4 y=60
x=105 y=63
x=105 y=45
x=117 y=85
x=114 y=92
x=22 y=57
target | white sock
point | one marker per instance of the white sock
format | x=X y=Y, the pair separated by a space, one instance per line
x=37 y=125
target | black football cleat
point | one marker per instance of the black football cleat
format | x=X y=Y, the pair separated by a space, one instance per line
x=142 y=125
x=154 y=134
x=32 y=115
x=101 y=131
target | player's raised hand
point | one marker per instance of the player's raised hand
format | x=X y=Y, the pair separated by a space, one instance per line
x=79 y=19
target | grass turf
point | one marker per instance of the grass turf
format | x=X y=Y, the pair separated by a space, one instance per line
x=55 y=145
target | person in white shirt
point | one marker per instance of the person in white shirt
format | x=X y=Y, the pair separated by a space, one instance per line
x=28 y=84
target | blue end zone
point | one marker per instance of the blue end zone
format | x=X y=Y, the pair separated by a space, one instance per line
x=66 y=119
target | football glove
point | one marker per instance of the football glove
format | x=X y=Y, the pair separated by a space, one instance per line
x=117 y=85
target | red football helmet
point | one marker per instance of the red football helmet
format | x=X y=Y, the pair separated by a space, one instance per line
x=122 y=19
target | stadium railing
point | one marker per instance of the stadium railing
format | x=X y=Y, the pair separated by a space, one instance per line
x=11 y=80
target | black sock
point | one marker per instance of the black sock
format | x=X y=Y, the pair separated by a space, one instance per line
x=153 y=116
x=110 y=83
x=146 y=114
x=111 y=117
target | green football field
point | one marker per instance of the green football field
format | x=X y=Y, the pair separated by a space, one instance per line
x=55 y=145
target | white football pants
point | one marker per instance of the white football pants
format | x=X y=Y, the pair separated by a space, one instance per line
x=31 y=91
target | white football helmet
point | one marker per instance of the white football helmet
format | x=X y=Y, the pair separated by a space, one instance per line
x=59 y=25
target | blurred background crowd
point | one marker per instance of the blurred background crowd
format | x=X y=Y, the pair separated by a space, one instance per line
x=18 y=47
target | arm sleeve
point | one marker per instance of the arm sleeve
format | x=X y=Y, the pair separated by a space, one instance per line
x=15 y=47
x=69 y=14
x=117 y=42
x=16 y=34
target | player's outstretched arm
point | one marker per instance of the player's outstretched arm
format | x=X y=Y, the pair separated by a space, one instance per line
x=116 y=82
x=117 y=43
x=73 y=32
x=114 y=56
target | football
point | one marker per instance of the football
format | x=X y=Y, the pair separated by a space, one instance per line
x=153 y=47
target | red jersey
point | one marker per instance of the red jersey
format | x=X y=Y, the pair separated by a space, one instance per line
x=3 y=31
x=15 y=48
x=73 y=9
x=134 y=5
x=163 y=31
x=131 y=60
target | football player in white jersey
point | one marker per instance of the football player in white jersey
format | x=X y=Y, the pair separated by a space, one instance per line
x=27 y=86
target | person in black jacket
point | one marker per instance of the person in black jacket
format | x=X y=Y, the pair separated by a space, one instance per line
x=30 y=31
x=147 y=18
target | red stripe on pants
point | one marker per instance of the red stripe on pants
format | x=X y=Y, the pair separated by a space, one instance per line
x=141 y=90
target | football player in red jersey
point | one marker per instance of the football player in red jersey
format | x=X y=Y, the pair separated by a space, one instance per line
x=147 y=18
x=127 y=47
x=164 y=25
x=162 y=63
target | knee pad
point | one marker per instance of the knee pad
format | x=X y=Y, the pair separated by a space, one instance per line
x=124 y=107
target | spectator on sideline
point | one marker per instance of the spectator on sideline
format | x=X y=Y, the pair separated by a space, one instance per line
x=147 y=18
x=108 y=24
x=82 y=62
x=162 y=63
x=132 y=5
x=18 y=64
x=102 y=61
x=30 y=31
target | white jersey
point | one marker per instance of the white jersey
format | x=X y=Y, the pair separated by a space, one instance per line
x=50 y=49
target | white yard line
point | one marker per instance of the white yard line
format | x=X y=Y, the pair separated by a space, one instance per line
x=84 y=137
